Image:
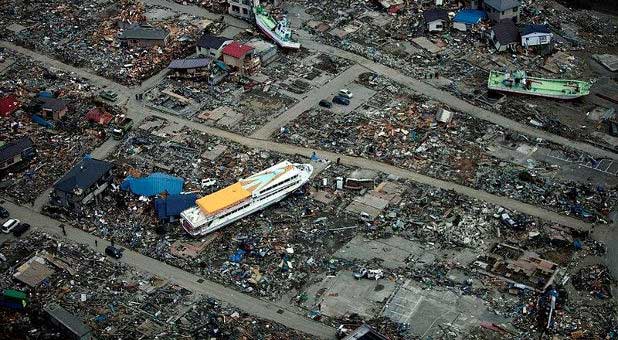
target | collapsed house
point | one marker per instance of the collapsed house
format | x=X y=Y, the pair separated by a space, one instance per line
x=518 y=267
x=190 y=67
x=8 y=105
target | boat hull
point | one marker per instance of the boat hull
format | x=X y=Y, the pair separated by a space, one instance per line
x=550 y=88
x=272 y=36
x=531 y=93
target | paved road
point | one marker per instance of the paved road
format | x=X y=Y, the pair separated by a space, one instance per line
x=456 y=103
x=264 y=309
x=312 y=98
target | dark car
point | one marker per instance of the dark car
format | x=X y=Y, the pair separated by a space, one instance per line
x=21 y=229
x=113 y=252
x=325 y=103
x=509 y=222
x=341 y=100
x=3 y=213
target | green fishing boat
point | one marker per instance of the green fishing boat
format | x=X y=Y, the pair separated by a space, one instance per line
x=278 y=31
x=519 y=82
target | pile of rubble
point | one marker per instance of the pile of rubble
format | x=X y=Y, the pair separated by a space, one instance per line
x=87 y=35
x=595 y=280
x=57 y=149
x=112 y=299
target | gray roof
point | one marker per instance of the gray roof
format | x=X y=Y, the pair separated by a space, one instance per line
x=68 y=320
x=53 y=104
x=502 y=5
x=211 y=41
x=189 y=63
x=83 y=175
x=144 y=33
x=435 y=14
x=14 y=148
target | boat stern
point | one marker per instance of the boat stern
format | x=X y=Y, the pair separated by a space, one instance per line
x=193 y=221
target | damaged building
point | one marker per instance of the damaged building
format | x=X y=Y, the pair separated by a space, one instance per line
x=82 y=184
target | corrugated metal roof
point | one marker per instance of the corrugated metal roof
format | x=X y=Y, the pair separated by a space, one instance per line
x=144 y=33
x=189 y=63
x=68 y=320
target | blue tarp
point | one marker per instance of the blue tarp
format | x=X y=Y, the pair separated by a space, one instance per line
x=154 y=184
x=173 y=205
x=237 y=256
x=470 y=16
x=41 y=121
x=46 y=94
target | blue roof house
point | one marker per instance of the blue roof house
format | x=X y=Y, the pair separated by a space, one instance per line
x=169 y=208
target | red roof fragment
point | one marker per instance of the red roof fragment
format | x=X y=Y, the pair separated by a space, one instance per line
x=8 y=105
x=236 y=50
x=96 y=115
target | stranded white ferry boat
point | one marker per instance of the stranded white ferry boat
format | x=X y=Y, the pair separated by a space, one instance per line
x=244 y=197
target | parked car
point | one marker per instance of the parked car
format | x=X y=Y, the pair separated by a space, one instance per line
x=325 y=103
x=3 y=212
x=113 y=252
x=345 y=93
x=9 y=225
x=341 y=100
x=109 y=95
x=208 y=182
x=21 y=229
